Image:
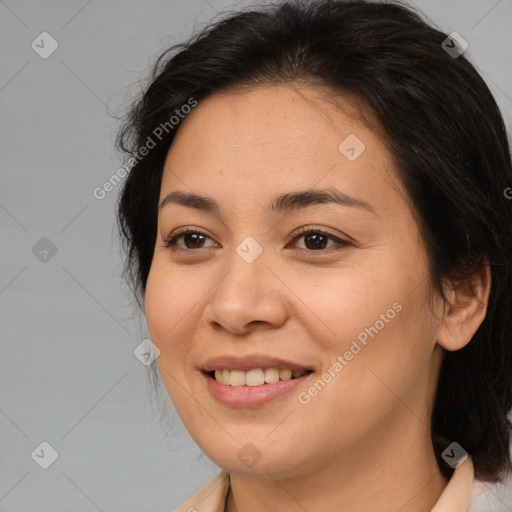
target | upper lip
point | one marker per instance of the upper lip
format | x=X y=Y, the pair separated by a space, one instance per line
x=250 y=361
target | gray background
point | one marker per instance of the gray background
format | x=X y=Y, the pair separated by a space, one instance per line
x=68 y=373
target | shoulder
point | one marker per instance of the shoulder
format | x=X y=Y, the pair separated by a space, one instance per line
x=211 y=498
x=456 y=496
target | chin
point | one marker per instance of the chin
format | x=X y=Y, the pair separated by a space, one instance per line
x=253 y=457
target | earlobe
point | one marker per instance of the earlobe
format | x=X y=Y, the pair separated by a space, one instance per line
x=465 y=309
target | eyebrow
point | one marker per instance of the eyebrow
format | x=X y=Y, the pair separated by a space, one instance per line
x=283 y=203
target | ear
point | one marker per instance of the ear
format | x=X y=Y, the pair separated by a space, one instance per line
x=466 y=308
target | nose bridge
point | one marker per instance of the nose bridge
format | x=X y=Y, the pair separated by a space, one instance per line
x=248 y=291
x=249 y=250
x=244 y=279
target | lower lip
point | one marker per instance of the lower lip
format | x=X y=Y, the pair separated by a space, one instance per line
x=251 y=396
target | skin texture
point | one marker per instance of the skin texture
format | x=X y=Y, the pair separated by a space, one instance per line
x=364 y=439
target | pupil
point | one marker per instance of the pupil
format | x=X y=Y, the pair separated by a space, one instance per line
x=195 y=237
x=315 y=239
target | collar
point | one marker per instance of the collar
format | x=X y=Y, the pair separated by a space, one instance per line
x=455 y=497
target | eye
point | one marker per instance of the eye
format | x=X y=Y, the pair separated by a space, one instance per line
x=317 y=239
x=192 y=238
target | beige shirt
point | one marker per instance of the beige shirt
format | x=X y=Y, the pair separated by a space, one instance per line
x=456 y=496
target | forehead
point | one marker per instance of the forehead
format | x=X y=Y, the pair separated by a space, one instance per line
x=277 y=116
x=262 y=140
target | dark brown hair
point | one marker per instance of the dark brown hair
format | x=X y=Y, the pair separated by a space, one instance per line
x=447 y=139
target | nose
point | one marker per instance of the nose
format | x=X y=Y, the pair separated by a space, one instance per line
x=248 y=296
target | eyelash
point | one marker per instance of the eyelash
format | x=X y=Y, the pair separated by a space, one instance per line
x=303 y=231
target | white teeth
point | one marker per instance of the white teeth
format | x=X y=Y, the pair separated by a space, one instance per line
x=285 y=374
x=271 y=375
x=237 y=378
x=254 y=377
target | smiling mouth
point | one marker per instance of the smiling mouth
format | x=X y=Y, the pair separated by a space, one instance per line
x=255 y=376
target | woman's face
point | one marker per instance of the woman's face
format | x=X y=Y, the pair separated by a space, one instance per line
x=349 y=302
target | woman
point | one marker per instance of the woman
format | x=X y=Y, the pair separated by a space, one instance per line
x=317 y=225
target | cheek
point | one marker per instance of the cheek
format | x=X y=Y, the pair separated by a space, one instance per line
x=340 y=308
x=166 y=308
x=156 y=306
x=379 y=328
x=166 y=304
